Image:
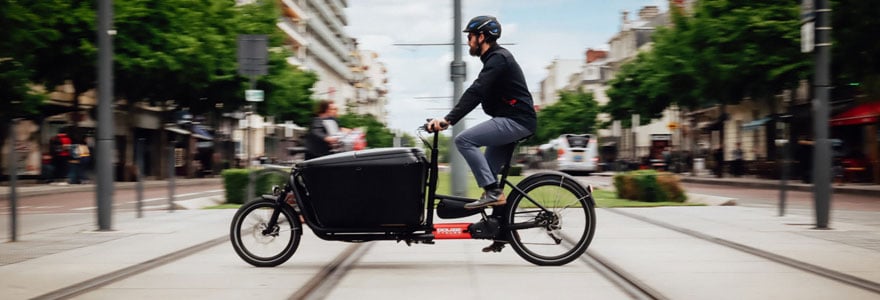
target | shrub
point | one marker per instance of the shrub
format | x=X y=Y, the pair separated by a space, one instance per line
x=515 y=170
x=235 y=182
x=649 y=186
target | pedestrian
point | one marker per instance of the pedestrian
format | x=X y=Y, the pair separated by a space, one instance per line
x=59 y=149
x=73 y=166
x=804 y=156
x=324 y=131
x=667 y=159
x=47 y=170
x=502 y=91
x=718 y=155
x=737 y=161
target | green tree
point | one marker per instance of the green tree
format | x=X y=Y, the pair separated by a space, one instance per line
x=377 y=135
x=174 y=50
x=575 y=112
x=727 y=50
x=288 y=91
x=745 y=48
x=28 y=40
x=22 y=32
x=856 y=55
x=630 y=92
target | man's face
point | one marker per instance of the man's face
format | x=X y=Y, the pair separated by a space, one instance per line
x=474 y=44
x=332 y=110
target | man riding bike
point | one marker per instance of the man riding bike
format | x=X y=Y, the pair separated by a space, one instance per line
x=501 y=89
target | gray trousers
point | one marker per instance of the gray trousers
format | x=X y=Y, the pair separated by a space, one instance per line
x=498 y=135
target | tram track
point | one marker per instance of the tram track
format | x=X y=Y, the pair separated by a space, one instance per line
x=115 y=276
x=320 y=285
x=323 y=282
x=847 y=279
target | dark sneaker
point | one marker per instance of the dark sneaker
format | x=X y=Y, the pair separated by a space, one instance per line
x=489 y=198
x=494 y=247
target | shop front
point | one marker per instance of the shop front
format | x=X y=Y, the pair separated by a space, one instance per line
x=860 y=127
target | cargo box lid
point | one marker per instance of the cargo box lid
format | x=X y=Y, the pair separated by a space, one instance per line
x=347 y=157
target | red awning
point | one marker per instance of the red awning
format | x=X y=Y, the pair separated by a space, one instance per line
x=865 y=113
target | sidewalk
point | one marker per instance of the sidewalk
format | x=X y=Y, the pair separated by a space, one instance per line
x=867 y=189
x=49 y=260
x=28 y=188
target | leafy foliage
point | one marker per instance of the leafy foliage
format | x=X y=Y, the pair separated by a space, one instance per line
x=288 y=91
x=575 y=112
x=856 y=55
x=727 y=50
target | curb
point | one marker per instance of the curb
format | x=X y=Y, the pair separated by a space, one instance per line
x=199 y=203
x=39 y=190
x=710 y=200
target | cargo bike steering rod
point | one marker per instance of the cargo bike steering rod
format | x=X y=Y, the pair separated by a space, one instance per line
x=391 y=194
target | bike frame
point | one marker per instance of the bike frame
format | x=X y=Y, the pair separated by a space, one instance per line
x=426 y=233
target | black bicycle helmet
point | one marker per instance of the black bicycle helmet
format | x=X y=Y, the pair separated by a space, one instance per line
x=487 y=25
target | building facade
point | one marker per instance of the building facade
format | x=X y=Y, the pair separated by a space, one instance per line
x=315 y=34
x=371 y=86
x=558 y=73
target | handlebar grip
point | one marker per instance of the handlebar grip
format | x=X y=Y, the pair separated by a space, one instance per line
x=443 y=125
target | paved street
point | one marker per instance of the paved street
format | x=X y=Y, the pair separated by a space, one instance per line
x=697 y=252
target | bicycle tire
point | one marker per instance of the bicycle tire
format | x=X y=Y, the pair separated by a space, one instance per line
x=249 y=222
x=567 y=235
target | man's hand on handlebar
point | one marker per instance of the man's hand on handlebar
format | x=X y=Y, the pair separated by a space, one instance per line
x=438 y=124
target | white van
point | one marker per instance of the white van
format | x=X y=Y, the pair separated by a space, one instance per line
x=577 y=153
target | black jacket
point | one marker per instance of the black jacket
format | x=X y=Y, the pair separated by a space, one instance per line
x=316 y=146
x=501 y=88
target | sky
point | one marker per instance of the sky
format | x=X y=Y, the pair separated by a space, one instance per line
x=537 y=32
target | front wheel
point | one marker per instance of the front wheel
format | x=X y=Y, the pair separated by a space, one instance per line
x=553 y=221
x=259 y=243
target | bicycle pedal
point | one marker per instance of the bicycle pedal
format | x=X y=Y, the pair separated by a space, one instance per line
x=495 y=247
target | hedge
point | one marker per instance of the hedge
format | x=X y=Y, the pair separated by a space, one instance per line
x=649 y=186
x=235 y=183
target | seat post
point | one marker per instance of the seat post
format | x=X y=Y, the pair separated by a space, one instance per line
x=505 y=169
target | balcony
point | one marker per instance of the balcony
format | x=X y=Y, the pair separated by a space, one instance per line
x=327 y=14
x=334 y=62
x=293 y=10
x=289 y=28
x=321 y=30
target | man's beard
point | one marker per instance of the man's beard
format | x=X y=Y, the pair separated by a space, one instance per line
x=475 y=51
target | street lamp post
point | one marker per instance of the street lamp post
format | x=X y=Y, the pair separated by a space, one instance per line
x=457 y=74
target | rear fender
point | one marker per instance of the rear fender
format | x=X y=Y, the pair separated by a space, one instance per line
x=554 y=175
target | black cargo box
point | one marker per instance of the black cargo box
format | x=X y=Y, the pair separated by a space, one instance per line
x=373 y=189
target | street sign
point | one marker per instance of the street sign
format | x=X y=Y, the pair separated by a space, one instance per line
x=808 y=34
x=808 y=11
x=252 y=54
x=253 y=95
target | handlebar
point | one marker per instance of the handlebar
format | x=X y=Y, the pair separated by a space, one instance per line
x=443 y=125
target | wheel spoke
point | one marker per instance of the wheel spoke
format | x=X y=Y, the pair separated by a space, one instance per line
x=259 y=245
x=567 y=214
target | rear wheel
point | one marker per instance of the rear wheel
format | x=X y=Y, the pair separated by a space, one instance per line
x=256 y=241
x=558 y=233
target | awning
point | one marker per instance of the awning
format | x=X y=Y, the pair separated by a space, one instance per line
x=755 y=124
x=865 y=113
x=202 y=134
x=177 y=130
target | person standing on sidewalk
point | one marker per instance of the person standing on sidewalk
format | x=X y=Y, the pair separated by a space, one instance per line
x=59 y=149
x=738 y=167
x=324 y=132
x=502 y=91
